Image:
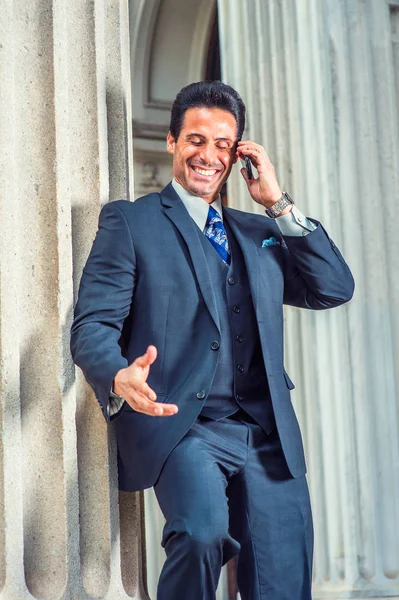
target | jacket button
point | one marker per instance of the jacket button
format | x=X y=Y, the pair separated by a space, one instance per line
x=240 y=398
x=201 y=395
x=239 y=339
x=236 y=309
x=231 y=280
x=215 y=345
x=240 y=369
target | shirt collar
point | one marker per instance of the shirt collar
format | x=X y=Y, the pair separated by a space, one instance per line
x=196 y=206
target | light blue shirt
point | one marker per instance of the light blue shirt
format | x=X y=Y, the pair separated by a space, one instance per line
x=293 y=223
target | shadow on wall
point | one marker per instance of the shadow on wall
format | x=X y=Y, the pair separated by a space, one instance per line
x=44 y=525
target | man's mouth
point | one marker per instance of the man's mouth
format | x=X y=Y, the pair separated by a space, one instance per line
x=205 y=172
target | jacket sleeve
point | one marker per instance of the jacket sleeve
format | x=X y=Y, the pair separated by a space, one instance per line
x=104 y=300
x=316 y=275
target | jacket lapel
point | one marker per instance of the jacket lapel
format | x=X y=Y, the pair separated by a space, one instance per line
x=175 y=210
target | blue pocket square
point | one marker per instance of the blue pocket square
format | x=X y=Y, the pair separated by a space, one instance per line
x=271 y=241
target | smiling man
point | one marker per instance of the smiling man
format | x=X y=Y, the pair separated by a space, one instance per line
x=179 y=330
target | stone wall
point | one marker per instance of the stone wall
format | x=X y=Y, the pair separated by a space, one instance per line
x=65 y=149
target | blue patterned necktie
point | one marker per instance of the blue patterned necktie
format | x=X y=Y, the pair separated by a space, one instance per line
x=216 y=234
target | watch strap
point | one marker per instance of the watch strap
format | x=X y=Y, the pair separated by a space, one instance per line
x=277 y=208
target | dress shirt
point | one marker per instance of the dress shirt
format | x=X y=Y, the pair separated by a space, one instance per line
x=196 y=206
x=293 y=223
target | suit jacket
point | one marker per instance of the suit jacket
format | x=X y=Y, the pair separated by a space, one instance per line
x=146 y=281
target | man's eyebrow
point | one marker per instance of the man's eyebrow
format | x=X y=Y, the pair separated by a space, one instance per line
x=193 y=134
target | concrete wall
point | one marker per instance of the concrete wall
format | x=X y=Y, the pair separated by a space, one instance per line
x=65 y=149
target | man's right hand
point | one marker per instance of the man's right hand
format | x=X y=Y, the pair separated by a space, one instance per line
x=131 y=384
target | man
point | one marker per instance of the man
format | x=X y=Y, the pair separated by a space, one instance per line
x=179 y=330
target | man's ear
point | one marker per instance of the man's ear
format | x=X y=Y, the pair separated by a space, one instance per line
x=170 y=143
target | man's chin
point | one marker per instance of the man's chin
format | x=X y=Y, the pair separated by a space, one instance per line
x=203 y=190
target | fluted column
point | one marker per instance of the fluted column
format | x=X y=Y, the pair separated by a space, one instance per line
x=321 y=84
x=65 y=149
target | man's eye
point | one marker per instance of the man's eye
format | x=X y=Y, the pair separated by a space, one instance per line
x=196 y=142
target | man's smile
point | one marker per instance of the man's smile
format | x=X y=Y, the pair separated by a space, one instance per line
x=207 y=173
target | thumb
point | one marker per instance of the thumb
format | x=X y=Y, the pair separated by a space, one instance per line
x=148 y=358
x=243 y=172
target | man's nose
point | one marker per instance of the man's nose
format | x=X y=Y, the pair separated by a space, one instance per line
x=208 y=154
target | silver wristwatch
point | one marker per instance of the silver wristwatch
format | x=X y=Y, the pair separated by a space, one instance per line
x=279 y=206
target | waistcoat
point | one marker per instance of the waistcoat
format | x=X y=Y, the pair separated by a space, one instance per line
x=240 y=379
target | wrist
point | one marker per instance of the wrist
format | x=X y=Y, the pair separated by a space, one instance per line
x=116 y=383
x=285 y=211
x=281 y=207
x=268 y=203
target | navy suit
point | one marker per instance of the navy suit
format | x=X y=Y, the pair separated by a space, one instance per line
x=148 y=281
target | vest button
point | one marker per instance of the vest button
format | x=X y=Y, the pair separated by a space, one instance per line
x=231 y=280
x=215 y=345
x=239 y=339
x=201 y=395
x=236 y=309
x=240 y=369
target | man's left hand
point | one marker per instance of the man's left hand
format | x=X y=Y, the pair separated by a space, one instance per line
x=264 y=189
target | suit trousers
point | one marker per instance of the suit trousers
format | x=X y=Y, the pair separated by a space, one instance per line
x=226 y=490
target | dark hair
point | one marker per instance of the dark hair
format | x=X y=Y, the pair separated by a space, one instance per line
x=207 y=94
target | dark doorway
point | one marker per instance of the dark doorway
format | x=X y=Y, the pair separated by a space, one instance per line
x=213 y=71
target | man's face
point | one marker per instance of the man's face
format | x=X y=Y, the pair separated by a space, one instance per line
x=204 y=151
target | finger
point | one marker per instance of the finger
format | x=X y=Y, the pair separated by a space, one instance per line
x=253 y=155
x=168 y=410
x=243 y=172
x=145 y=390
x=242 y=143
x=154 y=409
x=152 y=354
x=141 y=404
x=148 y=358
x=250 y=148
x=254 y=150
x=139 y=399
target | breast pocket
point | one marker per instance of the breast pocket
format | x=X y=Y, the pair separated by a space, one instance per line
x=270 y=273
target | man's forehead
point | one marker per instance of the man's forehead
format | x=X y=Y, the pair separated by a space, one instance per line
x=204 y=120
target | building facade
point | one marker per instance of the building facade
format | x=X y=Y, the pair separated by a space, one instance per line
x=85 y=94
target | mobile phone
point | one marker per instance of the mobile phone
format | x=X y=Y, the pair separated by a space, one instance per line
x=248 y=167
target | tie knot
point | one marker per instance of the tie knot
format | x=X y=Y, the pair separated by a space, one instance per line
x=213 y=215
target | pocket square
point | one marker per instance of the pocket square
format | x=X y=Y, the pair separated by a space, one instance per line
x=271 y=241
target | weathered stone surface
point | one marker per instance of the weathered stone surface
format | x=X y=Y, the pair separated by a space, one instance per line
x=66 y=146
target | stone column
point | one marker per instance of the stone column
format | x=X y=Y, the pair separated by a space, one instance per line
x=321 y=84
x=65 y=149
